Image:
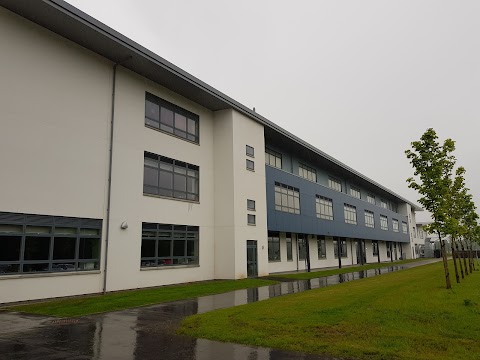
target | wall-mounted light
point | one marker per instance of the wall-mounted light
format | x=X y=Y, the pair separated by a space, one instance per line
x=124 y=225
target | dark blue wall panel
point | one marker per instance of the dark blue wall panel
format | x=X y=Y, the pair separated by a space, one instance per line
x=307 y=222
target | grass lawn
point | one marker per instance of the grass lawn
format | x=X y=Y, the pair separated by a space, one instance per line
x=343 y=270
x=86 y=305
x=401 y=315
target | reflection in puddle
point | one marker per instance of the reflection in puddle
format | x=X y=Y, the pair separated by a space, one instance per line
x=149 y=332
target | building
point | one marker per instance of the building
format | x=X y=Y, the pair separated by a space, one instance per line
x=121 y=171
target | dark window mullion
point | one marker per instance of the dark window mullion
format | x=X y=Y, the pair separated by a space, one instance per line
x=77 y=250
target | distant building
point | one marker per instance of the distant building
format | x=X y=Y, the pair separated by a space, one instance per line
x=119 y=170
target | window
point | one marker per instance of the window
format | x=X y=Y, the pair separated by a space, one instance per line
x=383 y=204
x=393 y=206
x=334 y=184
x=167 y=117
x=289 y=247
x=383 y=222
x=165 y=245
x=371 y=199
x=369 y=219
x=375 y=247
x=350 y=213
x=251 y=219
x=273 y=247
x=404 y=227
x=287 y=198
x=250 y=205
x=355 y=192
x=395 y=225
x=171 y=178
x=307 y=172
x=302 y=246
x=250 y=165
x=343 y=248
x=249 y=150
x=273 y=158
x=48 y=244
x=322 y=250
x=420 y=233
x=324 y=207
x=414 y=233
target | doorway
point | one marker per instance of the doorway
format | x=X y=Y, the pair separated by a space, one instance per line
x=252 y=263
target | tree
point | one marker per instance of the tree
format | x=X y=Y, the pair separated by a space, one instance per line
x=433 y=165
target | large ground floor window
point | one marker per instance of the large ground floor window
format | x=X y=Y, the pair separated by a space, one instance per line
x=42 y=243
x=166 y=245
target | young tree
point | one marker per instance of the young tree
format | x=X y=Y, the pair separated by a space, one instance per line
x=433 y=164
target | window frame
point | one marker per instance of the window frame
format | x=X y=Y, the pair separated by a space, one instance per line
x=289 y=243
x=321 y=247
x=350 y=214
x=171 y=233
x=355 y=192
x=383 y=222
x=335 y=184
x=273 y=245
x=277 y=157
x=249 y=207
x=289 y=194
x=249 y=153
x=250 y=165
x=371 y=199
x=395 y=225
x=191 y=172
x=404 y=227
x=251 y=219
x=307 y=172
x=370 y=219
x=324 y=207
x=25 y=228
x=151 y=122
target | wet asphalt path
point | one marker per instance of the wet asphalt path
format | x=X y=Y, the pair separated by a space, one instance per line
x=149 y=332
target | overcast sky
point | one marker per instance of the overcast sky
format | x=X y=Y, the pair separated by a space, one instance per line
x=359 y=80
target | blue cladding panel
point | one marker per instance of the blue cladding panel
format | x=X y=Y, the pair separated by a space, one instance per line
x=307 y=222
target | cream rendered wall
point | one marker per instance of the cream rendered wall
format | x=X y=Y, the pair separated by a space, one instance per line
x=249 y=185
x=55 y=103
x=131 y=139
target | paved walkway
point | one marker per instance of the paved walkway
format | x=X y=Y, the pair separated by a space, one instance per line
x=149 y=332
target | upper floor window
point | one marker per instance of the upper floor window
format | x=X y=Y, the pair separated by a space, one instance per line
x=249 y=150
x=251 y=219
x=355 y=192
x=383 y=222
x=350 y=212
x=395 y=225
x=250 y=165
x=165 y=116
x=392 y=206
x=171 y=178
x=287 y=198
x=168 y=244
x=371 y=198
x=307 y=172
x=273 y=158
x=324 y=207
x=335 y=184
x=43 y=243
x=404 y=227
x=383 y=204
x=369 y=219
x=250 y=204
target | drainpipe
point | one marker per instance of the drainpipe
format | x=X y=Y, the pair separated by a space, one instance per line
x=109 y=186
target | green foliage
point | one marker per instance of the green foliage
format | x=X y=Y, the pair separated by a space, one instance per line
x=433 y=165
x=401 y=315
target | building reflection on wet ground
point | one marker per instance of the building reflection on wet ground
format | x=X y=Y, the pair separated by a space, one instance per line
x=149 y=332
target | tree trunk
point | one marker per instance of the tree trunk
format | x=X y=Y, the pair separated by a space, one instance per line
x=470 y=256
x=445 y=263
x=454 y=253
x=464 y=258
x=459 y=259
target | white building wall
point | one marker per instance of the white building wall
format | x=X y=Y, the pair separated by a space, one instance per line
x=53 y=140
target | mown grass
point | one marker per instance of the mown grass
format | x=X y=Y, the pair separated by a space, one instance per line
x=343 y=270
x=401 y=315
x=86 y=305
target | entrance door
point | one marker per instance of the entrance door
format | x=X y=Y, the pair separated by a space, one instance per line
x=252 y=264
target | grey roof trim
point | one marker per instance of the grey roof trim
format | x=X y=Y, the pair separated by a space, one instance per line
x=27 y=9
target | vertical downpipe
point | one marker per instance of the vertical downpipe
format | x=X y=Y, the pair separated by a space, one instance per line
x=109 y=185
